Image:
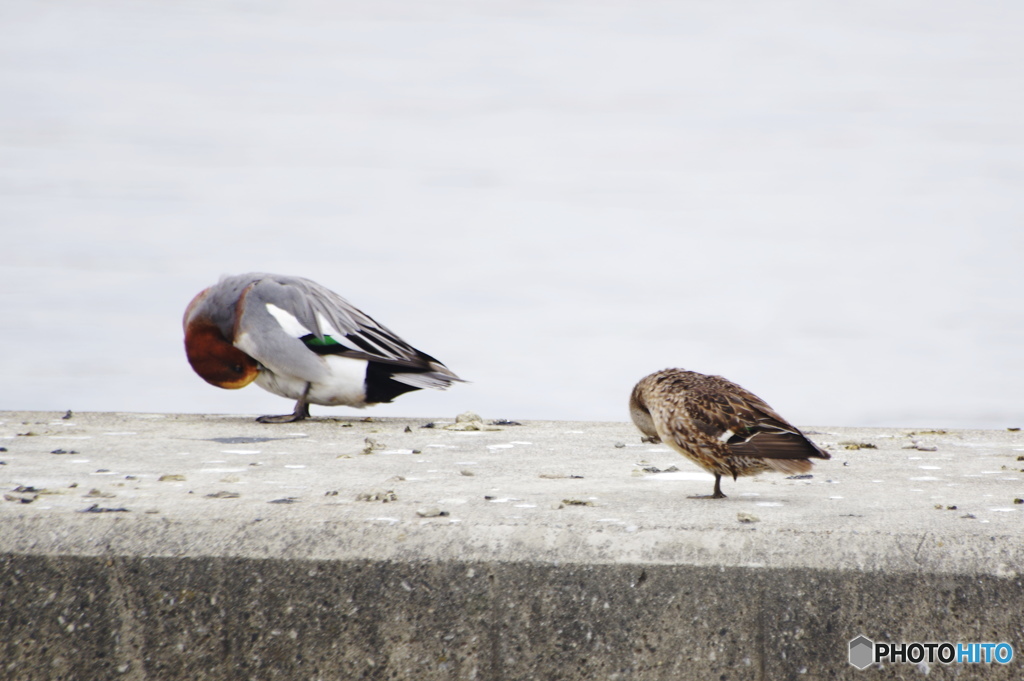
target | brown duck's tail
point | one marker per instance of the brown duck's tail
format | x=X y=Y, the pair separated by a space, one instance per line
x=777 y=445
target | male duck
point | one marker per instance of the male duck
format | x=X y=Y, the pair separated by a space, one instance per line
x=718 y=425
x=302 y=341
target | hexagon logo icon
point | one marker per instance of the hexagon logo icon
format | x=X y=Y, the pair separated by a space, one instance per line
x=861 y=652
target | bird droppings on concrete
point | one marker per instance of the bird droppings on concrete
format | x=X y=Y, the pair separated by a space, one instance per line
x=370 y=445
x=382 y=495
x=470 y=422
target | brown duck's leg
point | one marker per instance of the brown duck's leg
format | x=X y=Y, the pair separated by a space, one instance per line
x=718 y=488
x=717 y=493
x=301 y=412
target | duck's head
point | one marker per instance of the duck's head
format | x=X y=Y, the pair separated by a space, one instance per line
x=639 y=412
x=211 y=354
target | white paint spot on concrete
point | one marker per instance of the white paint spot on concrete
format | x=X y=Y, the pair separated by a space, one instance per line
x=500 y=446
x=240 y=451
x=520 y=442
x=295 y=465
x=930 y=468
x=681 y=475
x=1003 y=510
x=526 y=505
x=388 y=521
x=768 y=503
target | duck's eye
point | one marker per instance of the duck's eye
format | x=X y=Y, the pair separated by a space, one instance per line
x=237 y=368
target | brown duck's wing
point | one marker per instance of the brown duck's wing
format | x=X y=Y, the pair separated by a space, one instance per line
x=746 y=425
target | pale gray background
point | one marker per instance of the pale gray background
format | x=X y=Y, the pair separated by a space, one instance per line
x=820 y=201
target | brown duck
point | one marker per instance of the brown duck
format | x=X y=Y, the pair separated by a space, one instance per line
x=718 y=425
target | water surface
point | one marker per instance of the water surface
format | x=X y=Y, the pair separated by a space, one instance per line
x=555 y=199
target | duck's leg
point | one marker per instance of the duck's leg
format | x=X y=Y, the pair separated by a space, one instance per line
x=717 y=493
x=300 y=412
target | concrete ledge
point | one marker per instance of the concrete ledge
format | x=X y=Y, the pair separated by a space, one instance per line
x=204 y=576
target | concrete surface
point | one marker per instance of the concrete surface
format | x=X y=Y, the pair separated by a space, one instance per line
x=150 y=546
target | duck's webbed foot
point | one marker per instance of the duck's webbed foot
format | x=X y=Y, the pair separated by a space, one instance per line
x=300 y=413
x=718 y=494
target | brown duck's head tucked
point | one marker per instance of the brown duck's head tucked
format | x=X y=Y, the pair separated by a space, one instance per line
x=640 y=414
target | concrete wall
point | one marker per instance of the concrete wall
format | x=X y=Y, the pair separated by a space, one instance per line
x=159 y=548
x=91 y=618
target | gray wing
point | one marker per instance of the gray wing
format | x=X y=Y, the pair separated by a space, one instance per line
x=279 y=310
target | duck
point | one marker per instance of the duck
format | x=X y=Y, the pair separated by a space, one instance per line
x=721 y=427
x=298 y=339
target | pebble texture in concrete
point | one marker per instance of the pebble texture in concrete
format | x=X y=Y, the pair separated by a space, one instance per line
x=142 y=546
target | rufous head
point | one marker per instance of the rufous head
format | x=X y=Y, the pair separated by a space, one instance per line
x=211 y=355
